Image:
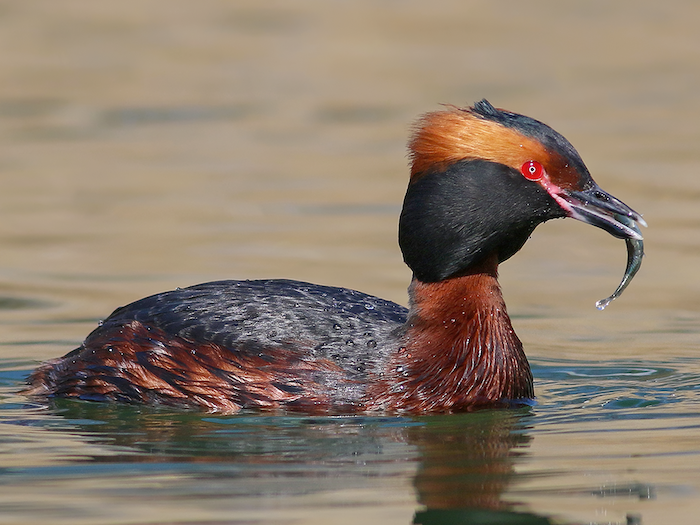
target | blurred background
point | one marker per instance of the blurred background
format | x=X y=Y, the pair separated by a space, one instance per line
x=151 y=144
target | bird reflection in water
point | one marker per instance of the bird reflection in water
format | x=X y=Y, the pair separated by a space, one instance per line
x=465 y=462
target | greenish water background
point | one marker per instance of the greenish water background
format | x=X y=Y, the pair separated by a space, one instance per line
x=148 y=145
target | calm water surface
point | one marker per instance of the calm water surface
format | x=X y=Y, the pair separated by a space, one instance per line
x=149 y=145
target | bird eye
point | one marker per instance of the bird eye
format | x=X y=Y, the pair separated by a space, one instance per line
x=532 y=170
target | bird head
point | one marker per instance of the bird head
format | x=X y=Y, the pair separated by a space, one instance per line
x=482 y=179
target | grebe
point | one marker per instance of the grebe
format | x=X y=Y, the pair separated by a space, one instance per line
x=481 y=180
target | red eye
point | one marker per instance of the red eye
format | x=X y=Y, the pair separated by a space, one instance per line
x=532 y=170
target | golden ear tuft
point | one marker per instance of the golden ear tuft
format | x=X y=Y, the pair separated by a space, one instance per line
x=444 y=137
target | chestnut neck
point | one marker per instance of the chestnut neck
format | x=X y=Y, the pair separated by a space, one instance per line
x=460 y=350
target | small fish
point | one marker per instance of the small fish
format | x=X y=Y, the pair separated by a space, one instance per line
x=635 y=253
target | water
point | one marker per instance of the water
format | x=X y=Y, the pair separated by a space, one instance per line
x=607 y=440
x=150 y=145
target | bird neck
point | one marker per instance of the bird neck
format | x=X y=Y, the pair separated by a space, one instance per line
x=460 y=349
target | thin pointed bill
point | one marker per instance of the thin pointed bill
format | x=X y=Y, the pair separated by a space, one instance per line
x=598 y=208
